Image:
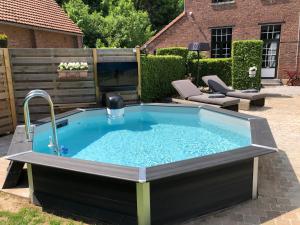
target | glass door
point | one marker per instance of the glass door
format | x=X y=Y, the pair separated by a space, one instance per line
x=270 y=34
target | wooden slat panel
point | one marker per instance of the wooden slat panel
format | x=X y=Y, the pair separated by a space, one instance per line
x=117 y=58
x=116 y=52
x=6 y=129
x=47 y=85
x=31 y=77
x=47 y=60
x=61 y=92
x=59 y=100
x=2 y=69
x=4 y=113
x=38 y=68
x=3 y=95
x=44 y=52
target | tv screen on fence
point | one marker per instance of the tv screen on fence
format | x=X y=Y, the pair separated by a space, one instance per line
x=117 y=76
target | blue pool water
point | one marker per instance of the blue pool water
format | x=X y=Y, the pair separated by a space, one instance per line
x=146 y=136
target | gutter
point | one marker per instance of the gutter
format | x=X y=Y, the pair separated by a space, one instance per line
x=27 y=26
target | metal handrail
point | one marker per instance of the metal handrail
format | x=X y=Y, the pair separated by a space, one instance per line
x=45 y=95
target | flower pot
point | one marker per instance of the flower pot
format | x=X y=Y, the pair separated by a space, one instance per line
x=72 y=74
x=252 y=74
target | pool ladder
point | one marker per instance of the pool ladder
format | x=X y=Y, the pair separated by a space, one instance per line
x=45 y=95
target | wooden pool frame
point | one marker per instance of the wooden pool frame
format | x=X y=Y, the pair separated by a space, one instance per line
x=156 y=195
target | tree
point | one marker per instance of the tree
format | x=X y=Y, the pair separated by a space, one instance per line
x=119 y=25
x=161 y=12
x=126 y=26
x=91 y=24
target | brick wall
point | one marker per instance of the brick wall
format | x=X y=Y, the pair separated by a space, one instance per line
x=19 y=37
x=246 y=18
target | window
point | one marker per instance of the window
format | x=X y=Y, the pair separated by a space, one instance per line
x=221 y=39
x=270 y=34
x=221 y=1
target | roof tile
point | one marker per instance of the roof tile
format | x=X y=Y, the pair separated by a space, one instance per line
x=38 y=13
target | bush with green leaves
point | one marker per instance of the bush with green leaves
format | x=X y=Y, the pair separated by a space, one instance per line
x=246 y=54
x=3 y=41
x=179 y=51
x=157 y=74
x=218 y=66
x=118 y=24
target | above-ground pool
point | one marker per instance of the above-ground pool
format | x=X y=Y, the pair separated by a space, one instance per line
x=146 y=136
x=157 y=164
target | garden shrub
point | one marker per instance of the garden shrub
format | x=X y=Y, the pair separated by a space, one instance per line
x=3 y=41
x=216 y=66
x=157 y=74
x=179 y=51
x=246 y=54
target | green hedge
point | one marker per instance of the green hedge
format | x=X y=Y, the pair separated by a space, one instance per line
x=246 y=54
x=179 y=51
x=218 y=66
x=3 y=41
x=157 y=74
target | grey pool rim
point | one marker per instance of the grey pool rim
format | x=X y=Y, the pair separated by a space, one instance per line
x=262 y=143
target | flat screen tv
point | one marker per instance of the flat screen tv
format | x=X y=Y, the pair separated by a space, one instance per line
x=117 y=76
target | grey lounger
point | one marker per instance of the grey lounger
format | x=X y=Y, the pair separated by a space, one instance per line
x=217 y=85
x=189 y=91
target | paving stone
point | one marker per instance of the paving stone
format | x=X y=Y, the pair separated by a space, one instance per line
x=279 y=174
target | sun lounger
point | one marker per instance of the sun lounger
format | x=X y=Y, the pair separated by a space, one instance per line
x=217 y=85
x=188 y=91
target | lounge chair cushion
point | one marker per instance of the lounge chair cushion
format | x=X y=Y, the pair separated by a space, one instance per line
x=186 y=88
x=204 y=98
x=243 y=95
x=216 y=84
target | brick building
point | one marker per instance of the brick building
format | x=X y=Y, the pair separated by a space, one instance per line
x=37 y=24
x=219 y=22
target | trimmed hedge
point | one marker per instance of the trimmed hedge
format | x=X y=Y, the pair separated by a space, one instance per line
x=3 y=41
x=179 y=51
x=157 y=74
x=217 y=66
x=246 y=54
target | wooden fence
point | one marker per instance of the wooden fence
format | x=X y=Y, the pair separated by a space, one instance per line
x=37 y=69
x=7 y=108
x=30 y=69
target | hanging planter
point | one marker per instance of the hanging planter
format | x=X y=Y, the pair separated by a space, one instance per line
x=73 y=70
x=3 y=41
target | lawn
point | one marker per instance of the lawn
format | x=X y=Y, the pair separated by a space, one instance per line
x=16 y=211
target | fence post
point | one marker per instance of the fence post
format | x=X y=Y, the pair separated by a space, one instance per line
x=10 y=86
x=95 y=61
x=138 y=58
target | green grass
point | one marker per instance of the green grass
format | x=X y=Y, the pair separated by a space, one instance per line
x=32 y=216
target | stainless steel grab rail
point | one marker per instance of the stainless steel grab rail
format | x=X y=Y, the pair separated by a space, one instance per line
x=45 y=95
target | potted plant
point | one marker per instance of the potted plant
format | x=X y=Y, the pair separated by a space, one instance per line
x=3 y=41
x=72 y=70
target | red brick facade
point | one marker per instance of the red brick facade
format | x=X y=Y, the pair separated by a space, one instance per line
x=25 y=37
x=245 y=17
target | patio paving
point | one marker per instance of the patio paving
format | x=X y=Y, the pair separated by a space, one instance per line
x=279 y=174
x=4 y=144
